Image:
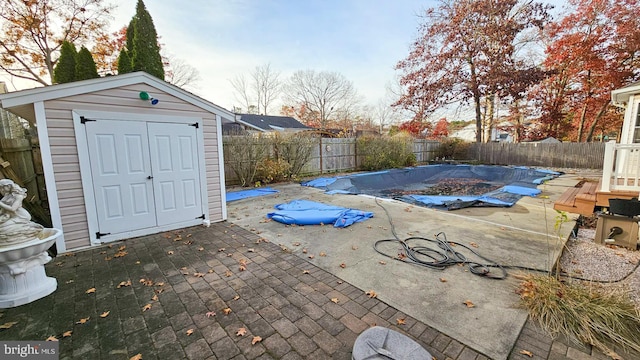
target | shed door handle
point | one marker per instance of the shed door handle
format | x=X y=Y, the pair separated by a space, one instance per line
x=149 y=177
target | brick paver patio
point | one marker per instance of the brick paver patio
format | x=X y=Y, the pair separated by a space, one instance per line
x=187 y=294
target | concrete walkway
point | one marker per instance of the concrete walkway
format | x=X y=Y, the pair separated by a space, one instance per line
x=280 y=296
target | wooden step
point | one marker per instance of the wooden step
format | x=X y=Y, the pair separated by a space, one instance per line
x=578 y=200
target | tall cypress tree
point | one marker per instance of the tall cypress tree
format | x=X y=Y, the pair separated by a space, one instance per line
x=85 y=65
x=65 y=70
x=124 y=62
x=145 y=54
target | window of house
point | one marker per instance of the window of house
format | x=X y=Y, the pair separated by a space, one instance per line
x=636 y=132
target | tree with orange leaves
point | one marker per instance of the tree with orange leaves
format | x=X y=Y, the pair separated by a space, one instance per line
x=31 y=37
x=595 y=49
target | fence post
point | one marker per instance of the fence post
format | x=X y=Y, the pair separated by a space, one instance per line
x=607 y=167
x=320 y=153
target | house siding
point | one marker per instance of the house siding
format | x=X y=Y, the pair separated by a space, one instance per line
x=122 y=100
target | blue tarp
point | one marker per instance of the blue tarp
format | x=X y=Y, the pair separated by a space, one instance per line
x=243 y=194
x=488 y=185
x=305 y=212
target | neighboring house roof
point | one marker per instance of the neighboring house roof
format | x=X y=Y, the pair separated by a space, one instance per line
x=267 y=123
x=549 y=140
x=19 y=102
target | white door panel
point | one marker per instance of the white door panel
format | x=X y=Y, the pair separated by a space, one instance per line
x=120 y=165
x=176 y=175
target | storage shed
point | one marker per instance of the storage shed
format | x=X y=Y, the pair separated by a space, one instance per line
x=126 y=156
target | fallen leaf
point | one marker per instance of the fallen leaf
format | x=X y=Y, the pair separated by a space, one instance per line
x=103 y=252
x=401 y=256
x=136 y=357
x=8 y=325
x=189 y=332
x=242 y=268
x=469 y=303
x=241 y=332
x=170 y=252
x=526 y=352
x=119 y=254
x=210 y=314
x=335 y=300
x=296 y=244
x=90 y=291
x=160 y=283
x=69 y=281
x=230 y=255
x=138 y=262
x=52 y=338
x=371 y=294
x=304 y=251
x=255 y=340
x=221 y=249
x=200 y=248
x=154 y=297
x=323 y=254
x=354 y=247
x=83 y=321
x=401 y=321
x=382 y=262
x=228 y=273
x=105 y=314
x=198 y=274
x=158 y=291
x=443 y=280
x=474 y=244
x=237 y=297
x=251 y=250
x=339 y=281
x=343 y=265
x=67 y=333
x=210 y=271
x=122 y=247
x=311 y=256
x=226 y=311
x=305 y=271
x=146 y=307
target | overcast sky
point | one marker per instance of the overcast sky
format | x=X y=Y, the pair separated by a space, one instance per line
x=361 y=39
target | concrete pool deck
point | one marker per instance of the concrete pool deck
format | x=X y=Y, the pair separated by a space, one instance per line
x=522 y=235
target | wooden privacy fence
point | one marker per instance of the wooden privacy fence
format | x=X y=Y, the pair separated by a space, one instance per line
x=20 y=161
x=332 y=155
x=561 y=155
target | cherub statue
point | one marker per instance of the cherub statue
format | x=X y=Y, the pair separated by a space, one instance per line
x=15 y=222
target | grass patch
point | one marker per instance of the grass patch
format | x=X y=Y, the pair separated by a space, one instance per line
x=584 y=314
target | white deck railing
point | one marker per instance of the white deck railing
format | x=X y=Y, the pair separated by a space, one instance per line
x=621 y=169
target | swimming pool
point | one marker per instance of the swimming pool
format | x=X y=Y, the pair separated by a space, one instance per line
x=443 y=186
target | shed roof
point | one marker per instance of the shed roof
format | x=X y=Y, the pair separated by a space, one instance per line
x=19 y=102
x=270 y=123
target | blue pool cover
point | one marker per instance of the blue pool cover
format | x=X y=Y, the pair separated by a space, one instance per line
x=444 y=186
x=243 y=194
x=305 y=212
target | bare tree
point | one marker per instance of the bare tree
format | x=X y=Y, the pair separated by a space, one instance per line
x=181 y=74
x=326 y=93
x=259 y=90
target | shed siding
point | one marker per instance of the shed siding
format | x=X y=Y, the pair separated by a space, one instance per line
x=123 y=100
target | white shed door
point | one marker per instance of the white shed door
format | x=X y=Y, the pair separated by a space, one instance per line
x=176 y=175
x=144 y=174
x=120 y=167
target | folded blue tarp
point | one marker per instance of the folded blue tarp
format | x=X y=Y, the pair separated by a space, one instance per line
x=243 y=194
x=305 y=212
